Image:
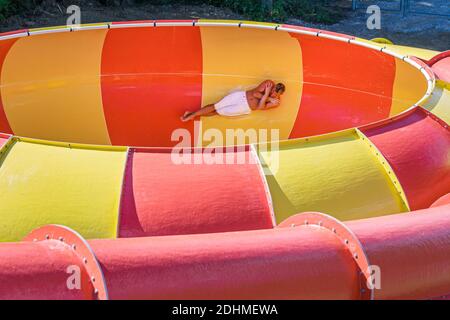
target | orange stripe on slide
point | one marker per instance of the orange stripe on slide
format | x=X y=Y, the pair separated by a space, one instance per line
x=150 y=77
x=344 y=86
x=5 y=45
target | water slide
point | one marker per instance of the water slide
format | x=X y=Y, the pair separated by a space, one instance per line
x=351 y=171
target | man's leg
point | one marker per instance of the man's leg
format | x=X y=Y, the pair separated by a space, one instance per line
x=209 y=110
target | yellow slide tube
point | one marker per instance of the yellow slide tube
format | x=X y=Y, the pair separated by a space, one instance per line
x=335 y=173
x=56 y=183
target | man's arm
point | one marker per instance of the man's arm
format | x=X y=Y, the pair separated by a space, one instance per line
x=273 y=103
x=263 y=85
x=266 y=88
x=263 y=102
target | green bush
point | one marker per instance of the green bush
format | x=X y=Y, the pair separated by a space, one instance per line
x=10 y=7
x=308 y=10
x=312 y=11
x=5 y=8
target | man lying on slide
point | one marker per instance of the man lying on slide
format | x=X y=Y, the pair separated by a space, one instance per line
x=265 y=96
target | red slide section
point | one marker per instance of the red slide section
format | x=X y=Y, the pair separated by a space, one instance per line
x=305 y=260
x=3 y=139
x=418 y=271
x=416 y=147
x=44 y=276
x=161 y=197
x=148 y=82
x=332 y=77
x=441 y=201
x=4 y=49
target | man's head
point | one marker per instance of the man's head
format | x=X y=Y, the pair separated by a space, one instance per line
x=278 y=90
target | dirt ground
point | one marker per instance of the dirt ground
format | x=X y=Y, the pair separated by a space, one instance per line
x=418 y=30
x=414 y=30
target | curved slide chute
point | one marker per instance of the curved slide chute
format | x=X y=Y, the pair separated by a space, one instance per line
x=311 y=256
x=361 y=135
x=440 y=64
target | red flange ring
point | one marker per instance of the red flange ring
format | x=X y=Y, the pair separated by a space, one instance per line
x=442 y=201
x=75 y=242
x=348 y=238
x=437 y=58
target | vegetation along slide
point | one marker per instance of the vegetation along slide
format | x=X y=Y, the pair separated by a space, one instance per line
x=358 y=180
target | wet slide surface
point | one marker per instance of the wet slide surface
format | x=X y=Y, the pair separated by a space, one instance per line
x=361 y=136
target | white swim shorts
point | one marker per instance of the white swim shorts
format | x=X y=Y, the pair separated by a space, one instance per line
x=234 y=104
